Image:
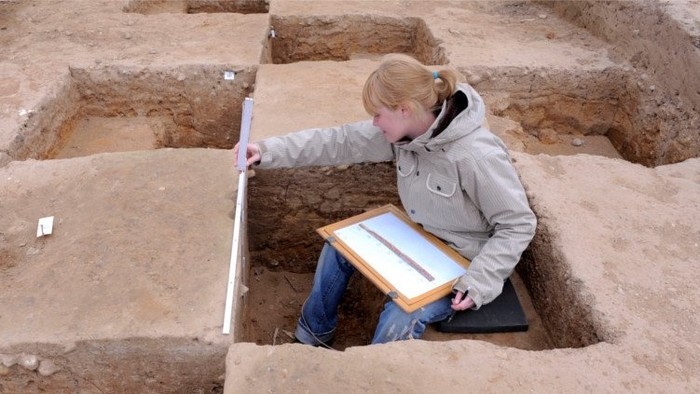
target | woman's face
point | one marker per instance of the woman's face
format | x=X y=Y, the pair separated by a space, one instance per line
x=394 y=123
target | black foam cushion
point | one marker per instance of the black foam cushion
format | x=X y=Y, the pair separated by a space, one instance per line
x=504 y=314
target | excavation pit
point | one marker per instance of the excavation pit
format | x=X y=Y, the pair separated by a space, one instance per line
x=603 y=113
x=114 y=110
x=284 y=209
x=148 y=7
x=295 y=39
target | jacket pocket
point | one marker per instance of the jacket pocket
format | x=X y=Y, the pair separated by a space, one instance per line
x=405 y=165
x=440 y=185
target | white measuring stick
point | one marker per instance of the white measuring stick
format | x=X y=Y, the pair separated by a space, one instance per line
x=238 y=218
x=246 y=117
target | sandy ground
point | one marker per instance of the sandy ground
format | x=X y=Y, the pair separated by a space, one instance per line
x=127 y=294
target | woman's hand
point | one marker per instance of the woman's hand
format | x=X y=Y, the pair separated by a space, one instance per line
x=252 y=153
x=461 y=304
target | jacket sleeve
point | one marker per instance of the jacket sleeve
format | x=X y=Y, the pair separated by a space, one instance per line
x=351 y=143
x=493 y=185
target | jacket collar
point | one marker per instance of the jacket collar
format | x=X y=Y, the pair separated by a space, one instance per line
x=463 y=124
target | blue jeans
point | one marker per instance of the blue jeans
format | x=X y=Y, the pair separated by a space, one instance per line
x=319 y=315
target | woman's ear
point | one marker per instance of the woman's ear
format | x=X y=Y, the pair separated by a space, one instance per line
x=406 y=111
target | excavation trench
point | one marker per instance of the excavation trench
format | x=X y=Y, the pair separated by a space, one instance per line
x=295 y=39
x=148 y=7
x=286 y=206
x=668 y=105
x=121 y=109
x=607 y=111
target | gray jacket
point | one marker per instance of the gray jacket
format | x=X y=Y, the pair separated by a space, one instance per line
x=459 y=185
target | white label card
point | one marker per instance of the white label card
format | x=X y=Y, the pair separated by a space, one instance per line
x=45 y=226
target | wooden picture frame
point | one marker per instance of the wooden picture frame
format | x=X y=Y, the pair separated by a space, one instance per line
x=335 y=233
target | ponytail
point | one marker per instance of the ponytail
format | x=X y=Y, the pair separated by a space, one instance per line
x=446 y=84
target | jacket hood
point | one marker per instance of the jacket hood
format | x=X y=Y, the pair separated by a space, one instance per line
x=469 y=120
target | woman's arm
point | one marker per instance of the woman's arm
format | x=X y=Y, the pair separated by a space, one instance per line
x=493 y=185
x=351 y=143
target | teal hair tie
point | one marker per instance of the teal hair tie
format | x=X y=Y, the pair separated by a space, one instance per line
x=435 y=75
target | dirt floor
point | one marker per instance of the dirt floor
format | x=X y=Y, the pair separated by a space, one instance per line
x=117 y=118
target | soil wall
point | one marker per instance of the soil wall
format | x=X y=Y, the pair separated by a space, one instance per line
x=666 y=56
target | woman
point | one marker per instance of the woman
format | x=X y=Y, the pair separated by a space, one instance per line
x=454 y=178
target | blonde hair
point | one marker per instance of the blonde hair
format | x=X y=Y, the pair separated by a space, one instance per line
x=403 y=80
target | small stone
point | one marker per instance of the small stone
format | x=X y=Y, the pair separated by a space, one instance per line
x=246 y=85
x=542 y=16
x=70 y=346
x=127 y=36
x=98 y=61
x=48 y=368
x=547 y=136
x=181 y=77
x=652 y=88
x=4 y=159
x=152 y=51
x=8 y=360
x=577 y=142
x=28 y=361
x=23 y=244
x=455 y=32
x=4 y=371
x=474 y=79
x=69 y=33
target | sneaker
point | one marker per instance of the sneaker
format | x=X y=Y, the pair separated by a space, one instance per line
x=327 y=345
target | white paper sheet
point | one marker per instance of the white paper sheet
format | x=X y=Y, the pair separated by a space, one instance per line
x=393 y=267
